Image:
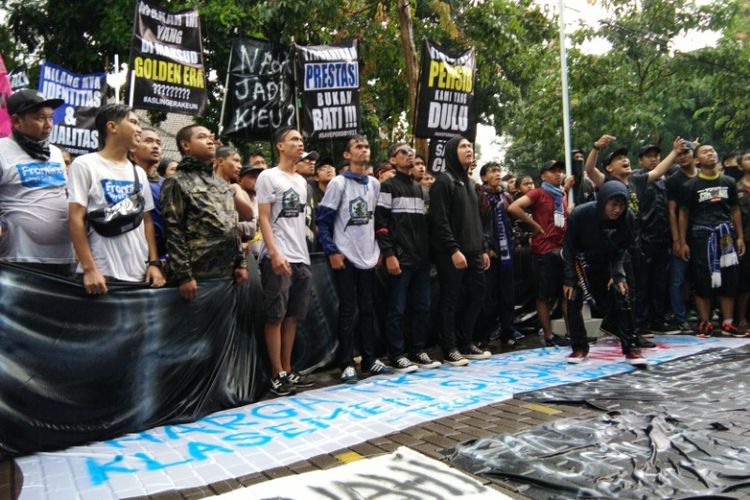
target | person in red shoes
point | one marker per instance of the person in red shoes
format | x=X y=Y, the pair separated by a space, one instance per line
x=710 y=214
x=599 y=233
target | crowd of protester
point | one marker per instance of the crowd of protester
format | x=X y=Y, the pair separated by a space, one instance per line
x=125 y=213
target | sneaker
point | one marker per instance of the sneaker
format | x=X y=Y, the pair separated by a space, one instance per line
x=645 y=343
x=423 y=360
x=556 y=340
x=671 y=329
x=280 y=385
x=663 y=328
x=349 y=375
x=455 y=358
x=685 y=328
x=403 y=365
x=378 y=368
x=577 y=357
x=732 y=331
x=705 y=330
x=473 y=352
x=636 y=359
x=298 y=380
x=644 y=333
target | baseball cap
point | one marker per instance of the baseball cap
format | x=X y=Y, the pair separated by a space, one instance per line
x=324 y=161
x=310 y=155
x=647 y=148
x=28 y=99
x=248 y=169
x=689 y=145
x=552 y=164
x=617 y=152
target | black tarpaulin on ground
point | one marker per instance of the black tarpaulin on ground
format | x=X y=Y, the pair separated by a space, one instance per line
x=680 y=429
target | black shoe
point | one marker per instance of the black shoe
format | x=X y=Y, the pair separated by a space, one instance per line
x=299 y=380
x=280 y=385
x=474 y=352
x=647 y=344
x=556 y=340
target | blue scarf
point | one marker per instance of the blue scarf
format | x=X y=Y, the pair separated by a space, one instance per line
x=504 y=240
x=556 y=193
x=721 y=252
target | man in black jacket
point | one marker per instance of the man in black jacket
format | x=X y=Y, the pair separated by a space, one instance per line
x=401 y=231
x=599 y=234
x=460 y=253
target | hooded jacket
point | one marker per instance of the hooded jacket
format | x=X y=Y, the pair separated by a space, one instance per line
x=595 y=239
x=454 y=218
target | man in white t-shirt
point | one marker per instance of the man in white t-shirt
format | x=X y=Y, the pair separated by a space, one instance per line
x=33 y=199
x=346 y=230
x=284 y=259
x=105 y=179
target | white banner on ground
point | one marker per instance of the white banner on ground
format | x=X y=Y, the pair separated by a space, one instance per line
x=281 y=431
x=403 y=474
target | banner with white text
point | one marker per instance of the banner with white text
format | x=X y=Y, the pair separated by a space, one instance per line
x=19 y=78
x=73 y=122
x=166 y=60
x=328 y=78
x=260 y=96
x=445 y=106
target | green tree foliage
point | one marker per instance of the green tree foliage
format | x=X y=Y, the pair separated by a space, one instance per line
x=642 y=90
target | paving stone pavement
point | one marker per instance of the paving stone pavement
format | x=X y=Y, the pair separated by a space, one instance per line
x=431 y=439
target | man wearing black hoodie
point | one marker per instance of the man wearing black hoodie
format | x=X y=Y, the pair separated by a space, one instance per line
x=460 y=252
x=599 y=234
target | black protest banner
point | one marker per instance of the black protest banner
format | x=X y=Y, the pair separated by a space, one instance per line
x=73 y=127
x=19 y=78
x=166 y=60
x=259 y=96
x=436 y=155
x=445 y=107
x=328 y=77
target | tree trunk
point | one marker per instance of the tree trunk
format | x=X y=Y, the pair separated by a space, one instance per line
x=412 y=71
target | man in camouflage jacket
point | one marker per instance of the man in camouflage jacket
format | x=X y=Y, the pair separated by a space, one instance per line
x=200 y=219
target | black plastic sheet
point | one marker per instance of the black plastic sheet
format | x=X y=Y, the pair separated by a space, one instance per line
x=76 y=368
x=677 y=430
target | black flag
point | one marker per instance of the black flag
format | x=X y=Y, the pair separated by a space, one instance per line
x=260 y=97
x=328 y=77
x=166 y=60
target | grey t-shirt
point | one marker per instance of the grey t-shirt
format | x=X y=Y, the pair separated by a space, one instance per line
x=34 y=204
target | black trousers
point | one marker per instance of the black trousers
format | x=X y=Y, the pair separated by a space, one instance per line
x=461 y=295
x=499 y=304
x=617 y=305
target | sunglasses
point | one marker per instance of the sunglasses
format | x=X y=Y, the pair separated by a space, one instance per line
x=405 y=151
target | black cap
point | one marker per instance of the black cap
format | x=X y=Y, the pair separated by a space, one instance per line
x=613 y=154
x=25 y=100
x=648 y=148
x=310 y=155
x=249 y=169
x=689 y=145
x=552 y=164
x=324 y=161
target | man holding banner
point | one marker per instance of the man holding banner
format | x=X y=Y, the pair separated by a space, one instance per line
x=33 y=199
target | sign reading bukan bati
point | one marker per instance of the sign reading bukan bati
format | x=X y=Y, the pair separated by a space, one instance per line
x=446 y=94
x=166 y=59
x=328 y=76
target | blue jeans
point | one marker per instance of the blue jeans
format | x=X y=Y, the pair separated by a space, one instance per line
x=677 y=273
x=412 y=286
